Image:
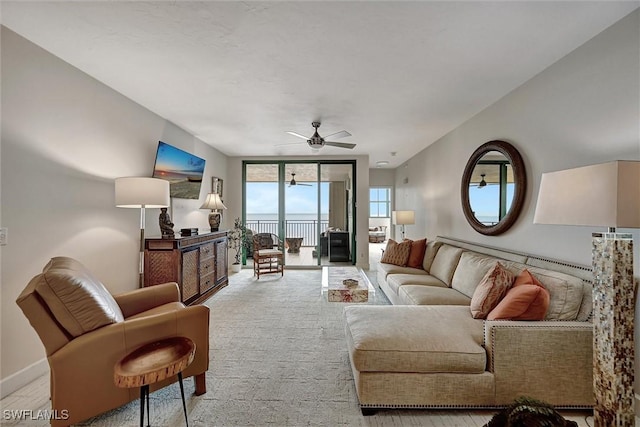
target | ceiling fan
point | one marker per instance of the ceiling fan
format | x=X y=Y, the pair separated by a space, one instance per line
x=316 y=141
x=293 y=181
x=482 y=183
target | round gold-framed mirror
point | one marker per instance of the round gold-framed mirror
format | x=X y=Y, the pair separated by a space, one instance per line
x=493 y=187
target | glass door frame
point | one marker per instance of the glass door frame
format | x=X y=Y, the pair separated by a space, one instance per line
x=282 y=181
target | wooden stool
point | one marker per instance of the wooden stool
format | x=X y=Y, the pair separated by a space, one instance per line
x=154 y=362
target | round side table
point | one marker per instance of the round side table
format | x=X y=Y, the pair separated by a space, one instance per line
x=154 y=362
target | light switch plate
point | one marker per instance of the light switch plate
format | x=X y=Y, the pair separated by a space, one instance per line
x=4 y=236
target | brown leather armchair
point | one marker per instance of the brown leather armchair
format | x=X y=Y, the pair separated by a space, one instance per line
x=85 y=331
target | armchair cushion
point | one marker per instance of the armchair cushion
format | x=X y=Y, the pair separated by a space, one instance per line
x=77 y=300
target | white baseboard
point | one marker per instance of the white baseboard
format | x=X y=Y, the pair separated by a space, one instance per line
x=23 y=377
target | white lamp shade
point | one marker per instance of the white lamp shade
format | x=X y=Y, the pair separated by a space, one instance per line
x=607 y=195
x=403 y=217
x=141 y=192
x=213 y=201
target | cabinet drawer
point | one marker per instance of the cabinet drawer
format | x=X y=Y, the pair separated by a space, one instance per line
x=207 y=282
x=207 y=266
x=206 y=251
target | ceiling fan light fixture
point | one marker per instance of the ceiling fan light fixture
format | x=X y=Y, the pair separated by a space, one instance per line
x=482 y=183
x=381 y=163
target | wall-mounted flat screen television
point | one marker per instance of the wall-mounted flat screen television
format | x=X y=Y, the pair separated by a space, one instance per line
x=183 y=171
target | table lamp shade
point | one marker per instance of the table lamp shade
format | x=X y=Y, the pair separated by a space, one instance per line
x=141 y=192
x=606 y=194
x=403 y=217
x=213 y=201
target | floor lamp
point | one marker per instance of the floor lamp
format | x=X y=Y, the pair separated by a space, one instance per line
x=403 y=218
x=141 y=193
x=606 y=195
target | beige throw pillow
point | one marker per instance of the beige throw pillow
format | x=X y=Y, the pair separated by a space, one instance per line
x=396 y=253
x=490 y=291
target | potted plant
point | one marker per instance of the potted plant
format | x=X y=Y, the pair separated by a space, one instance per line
x=237 y=241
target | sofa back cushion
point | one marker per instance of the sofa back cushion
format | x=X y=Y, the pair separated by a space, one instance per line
x=445 y=262
x=77 y=300
x=566 y=293
x=429 y=254
x=471 y=270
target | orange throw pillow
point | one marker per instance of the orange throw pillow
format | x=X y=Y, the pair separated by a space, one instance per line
x=396 y=253
x=523 y=302
x=416 y=254
x=492 y=288
x=527 y=300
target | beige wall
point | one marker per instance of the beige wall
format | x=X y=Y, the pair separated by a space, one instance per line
x=582 y=110
x=65 y=137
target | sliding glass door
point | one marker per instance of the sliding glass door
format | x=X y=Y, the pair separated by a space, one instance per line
x=308 y=204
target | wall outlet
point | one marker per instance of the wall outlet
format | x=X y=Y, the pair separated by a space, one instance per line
x=4 y=236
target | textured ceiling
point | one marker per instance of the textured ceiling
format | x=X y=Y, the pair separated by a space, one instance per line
x=238 y=75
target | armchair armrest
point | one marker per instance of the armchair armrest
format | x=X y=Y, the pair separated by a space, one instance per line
x=143 y=299
x=547 y=360
x=93 y=355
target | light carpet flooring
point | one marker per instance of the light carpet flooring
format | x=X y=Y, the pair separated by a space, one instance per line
x=278 y=358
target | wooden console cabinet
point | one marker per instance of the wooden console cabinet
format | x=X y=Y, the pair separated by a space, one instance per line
x=197 y=263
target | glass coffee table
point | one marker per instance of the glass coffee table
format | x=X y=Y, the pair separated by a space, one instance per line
x=336 y=291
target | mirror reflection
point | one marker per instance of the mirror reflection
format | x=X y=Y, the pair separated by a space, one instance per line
x=491 y=188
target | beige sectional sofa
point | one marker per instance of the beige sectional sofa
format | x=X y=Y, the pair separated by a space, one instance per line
x=426 y=350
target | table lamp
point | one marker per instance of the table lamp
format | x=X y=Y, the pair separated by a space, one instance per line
x=606 y=194
x=214 y=203
x=403 y=218
x=141 y=193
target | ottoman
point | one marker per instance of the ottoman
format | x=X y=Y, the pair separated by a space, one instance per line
x=417 y=356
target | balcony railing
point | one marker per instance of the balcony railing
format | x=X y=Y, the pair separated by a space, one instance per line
x=307 y=229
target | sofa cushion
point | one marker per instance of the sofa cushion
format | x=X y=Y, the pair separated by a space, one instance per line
x=586 y=307
x=416 y=254
x=78 y=301
x=396 y=253
x=429 y=254
x=415 y=339
x=431 y=295
x=445 y=262
x=396 y=280
x=491 y=290
x=471 y=270
x=566 y=293
x=389 y=269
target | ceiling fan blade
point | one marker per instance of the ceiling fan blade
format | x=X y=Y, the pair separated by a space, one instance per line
x=341 y=134
x=306 y=185
x=340 y=144
x=298 y=135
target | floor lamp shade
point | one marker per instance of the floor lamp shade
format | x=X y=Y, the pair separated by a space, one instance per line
x=607 y=195
x=141 y=193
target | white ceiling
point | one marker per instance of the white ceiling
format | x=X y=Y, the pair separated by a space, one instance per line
x=238 y=75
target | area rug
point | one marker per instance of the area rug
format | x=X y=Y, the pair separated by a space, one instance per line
x=277 y=357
